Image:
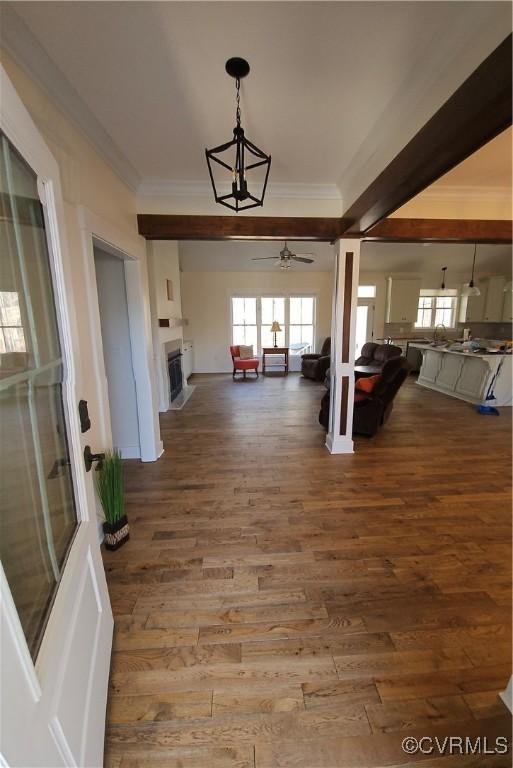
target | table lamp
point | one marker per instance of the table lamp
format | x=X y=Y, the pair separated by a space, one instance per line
x=275 y=328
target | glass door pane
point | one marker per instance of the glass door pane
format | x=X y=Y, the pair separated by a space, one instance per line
x=37 y=514
x=362 y=313
x=273 y=309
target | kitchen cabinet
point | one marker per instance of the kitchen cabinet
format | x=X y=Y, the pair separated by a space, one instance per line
x=507 y=312
x=488 y=307
x=402 y=300
x=466 y=376
x=494 y=301
x=473 y=306
x=187 y=359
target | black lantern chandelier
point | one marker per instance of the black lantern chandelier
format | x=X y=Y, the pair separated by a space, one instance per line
x=247 y=185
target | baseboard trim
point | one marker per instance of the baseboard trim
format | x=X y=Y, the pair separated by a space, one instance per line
x=507 y=695
x=130 y=452
x=339 y=444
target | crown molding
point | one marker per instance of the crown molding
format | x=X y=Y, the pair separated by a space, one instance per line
x=464 y=193
x=168 y=188
x=27 y=51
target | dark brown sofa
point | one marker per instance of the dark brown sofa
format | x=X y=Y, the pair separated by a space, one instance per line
x=372 y=411
x=315 y=366
x=376 y=355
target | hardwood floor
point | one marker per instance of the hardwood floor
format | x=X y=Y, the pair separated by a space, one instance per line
x=278 y=606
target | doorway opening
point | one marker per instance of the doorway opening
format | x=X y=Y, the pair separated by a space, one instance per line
x=117 y=352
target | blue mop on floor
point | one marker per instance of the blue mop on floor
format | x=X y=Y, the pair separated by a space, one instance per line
x=485 y=408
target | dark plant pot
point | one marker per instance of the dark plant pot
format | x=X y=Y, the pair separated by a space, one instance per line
x=116 y=533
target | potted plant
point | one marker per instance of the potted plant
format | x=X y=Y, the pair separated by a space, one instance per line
x=110 y=491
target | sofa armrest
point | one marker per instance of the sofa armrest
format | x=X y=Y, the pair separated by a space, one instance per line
x=324 y=363
x=310 y=356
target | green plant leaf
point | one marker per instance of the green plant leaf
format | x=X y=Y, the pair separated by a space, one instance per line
x=109 y=481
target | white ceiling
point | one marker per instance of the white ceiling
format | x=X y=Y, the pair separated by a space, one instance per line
x=323 y=73
x=236 y=256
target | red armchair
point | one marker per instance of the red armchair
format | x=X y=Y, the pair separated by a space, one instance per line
x=243 y=365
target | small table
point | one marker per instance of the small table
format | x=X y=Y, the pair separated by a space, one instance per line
x=266 y=351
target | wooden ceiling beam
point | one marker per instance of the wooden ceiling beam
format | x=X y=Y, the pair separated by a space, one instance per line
x=441 y=231
x=478 y=110
x=164 y=227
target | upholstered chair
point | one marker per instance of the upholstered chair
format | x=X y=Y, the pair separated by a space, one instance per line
x=243 y=365
x=314 y=366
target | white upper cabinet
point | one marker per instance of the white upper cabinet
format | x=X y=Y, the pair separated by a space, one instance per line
x=507 y=313
x=402 y=300
x=494 y=299
x=489 y=306
x=473 y=307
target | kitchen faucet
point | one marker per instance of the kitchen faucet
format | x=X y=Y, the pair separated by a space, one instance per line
x=436 y=338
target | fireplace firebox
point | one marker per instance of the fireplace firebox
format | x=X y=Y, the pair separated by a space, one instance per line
x=174 y=364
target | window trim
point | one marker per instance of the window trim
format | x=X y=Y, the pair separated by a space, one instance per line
x=366 y=285
x=20 y=326
x=274 y=295
x=436 y=293
x=243 y=325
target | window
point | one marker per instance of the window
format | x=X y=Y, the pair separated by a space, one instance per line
x=252 y=319
x=272 y=309
x=244 y=321
x=38 y=517
x=435 y=309
x=301 y=322
x=366 y=291
x=12 y=338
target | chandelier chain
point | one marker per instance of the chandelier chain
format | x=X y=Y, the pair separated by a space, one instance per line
x=237 y=85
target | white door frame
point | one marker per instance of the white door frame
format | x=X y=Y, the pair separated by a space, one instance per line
x=97 y=231
x=61 y=697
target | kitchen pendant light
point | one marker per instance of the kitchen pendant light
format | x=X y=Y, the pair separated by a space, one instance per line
x=442 y=284
x=227 y=162
x=471 y=289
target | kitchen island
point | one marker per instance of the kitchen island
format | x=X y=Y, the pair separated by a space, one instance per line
x=466 y=375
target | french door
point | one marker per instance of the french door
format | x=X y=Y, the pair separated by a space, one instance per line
x=55 y=612
x=364 y=324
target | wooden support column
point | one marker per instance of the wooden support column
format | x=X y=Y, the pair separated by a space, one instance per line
x=343 y=322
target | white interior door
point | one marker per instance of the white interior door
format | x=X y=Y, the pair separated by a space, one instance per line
x=364 y=323
x=56 y=622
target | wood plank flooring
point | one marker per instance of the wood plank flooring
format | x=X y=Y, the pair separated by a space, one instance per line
x=278 y=606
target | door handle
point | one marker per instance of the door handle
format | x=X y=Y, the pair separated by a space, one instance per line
x=90 y=458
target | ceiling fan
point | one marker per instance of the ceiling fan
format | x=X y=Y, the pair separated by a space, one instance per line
x=286 y=257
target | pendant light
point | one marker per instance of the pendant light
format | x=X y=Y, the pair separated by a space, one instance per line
x=471 y=289
x=442 y=284
x=229 y=159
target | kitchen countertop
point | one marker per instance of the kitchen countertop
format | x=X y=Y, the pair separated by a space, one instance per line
x=482 y=355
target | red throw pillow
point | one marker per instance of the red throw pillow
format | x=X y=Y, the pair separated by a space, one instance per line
x=367 y=383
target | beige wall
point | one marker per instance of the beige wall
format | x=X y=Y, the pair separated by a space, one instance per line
x=163 y=265
x=86 y=181
x=206 y=307
x=473 y=204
